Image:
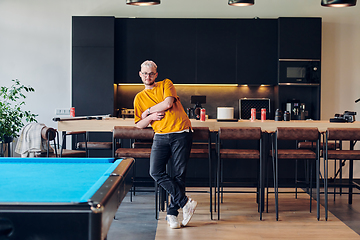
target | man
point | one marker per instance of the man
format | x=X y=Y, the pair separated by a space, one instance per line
x=159 y=105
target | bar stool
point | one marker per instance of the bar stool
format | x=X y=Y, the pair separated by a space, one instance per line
x=49 y=134
x=130 y=133
x=201 y=149
x=234 y=134
x=91 y=145
x=73 y=152
x=312 y=145
x=295 y=134
x=351 y=135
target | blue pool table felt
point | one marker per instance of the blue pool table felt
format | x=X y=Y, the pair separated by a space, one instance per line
x=52 y=180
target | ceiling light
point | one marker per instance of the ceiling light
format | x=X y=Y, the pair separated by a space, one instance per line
x=338 y=3
x=241 y=3
x=142 y=2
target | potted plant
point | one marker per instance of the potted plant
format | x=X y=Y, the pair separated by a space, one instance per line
x=12 y=114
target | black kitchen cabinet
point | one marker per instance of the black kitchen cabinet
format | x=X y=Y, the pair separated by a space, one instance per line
x=135 y=42
x=216 y=51
x=299 y=38
x=257 y=46
x=93 y=65
x=176 y=50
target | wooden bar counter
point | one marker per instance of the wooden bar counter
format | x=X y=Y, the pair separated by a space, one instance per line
x=107 y=124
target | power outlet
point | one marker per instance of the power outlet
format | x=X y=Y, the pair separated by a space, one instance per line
x=62 y=111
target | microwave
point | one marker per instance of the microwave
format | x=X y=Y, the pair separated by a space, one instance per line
x=299 y=71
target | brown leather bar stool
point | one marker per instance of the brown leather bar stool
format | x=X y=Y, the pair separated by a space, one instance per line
x=131 y=133
x=312 y=145
x=91 y=145
x=49 y=134
x=234 y=134
x=201 y=149
x=351 y=135
x=70 y=152
x=295 y=134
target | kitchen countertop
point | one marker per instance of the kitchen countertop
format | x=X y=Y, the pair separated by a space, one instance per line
x=107 y=124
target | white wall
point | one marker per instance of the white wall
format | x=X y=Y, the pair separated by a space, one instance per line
x=35 y=43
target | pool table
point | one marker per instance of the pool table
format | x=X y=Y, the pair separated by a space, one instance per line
x=61 y=198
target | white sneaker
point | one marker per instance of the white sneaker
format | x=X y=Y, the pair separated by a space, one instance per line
x=188 y=211
x=173 y=221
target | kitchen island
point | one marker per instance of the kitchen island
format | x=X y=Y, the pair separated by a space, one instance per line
x=107 y=124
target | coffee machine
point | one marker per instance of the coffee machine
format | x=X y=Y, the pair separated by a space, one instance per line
x=295 y=108
x=195 y=111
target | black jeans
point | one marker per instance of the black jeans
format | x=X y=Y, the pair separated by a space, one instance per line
x=175 y=147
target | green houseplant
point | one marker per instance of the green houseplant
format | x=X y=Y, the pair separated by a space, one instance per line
x=12 y=114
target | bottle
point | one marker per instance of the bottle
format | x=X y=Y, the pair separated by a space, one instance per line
x=286 y=116
x=278 y=116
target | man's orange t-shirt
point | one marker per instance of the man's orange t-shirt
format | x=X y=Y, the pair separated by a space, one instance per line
x=175 y=118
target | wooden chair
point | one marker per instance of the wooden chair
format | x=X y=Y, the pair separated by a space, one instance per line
x=235 y=134
x=295 y=134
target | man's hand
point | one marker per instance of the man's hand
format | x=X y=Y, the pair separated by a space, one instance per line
x=156 y=116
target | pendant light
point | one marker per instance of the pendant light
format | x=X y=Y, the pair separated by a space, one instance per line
x=142 y=2
x=241 y=3
x=338 y=3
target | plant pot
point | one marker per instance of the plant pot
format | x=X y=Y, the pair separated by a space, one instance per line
x=3 y=142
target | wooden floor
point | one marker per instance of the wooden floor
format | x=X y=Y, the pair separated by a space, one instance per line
x=240 y=220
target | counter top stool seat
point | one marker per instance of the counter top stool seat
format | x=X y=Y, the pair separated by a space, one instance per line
x=295 y=134
x=201 y=149
x=49 y=134
x=235 y=134
x=70 y=152
x=131 y=133
x=351 y=135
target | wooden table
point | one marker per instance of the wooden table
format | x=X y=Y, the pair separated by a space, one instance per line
x=107 y=124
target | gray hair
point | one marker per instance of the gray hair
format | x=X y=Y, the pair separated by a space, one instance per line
x=149 y=63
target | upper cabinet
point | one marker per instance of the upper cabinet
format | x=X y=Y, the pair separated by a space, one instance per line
x=256 y=51
x=299 y=38
x=93 y=65
x=216 y=51
x=202 y=51
x=176 y=50
x=135 y=42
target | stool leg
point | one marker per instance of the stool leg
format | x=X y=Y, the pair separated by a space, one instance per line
x=296 y=181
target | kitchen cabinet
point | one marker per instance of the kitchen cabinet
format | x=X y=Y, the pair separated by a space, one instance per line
x=216 y=51
x=135 y=42
x=93 y=65
x=299 y=38
x=176 y=50
x=256 y=51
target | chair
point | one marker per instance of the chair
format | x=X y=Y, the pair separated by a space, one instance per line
x=312 y=145
x=49 y=134
x=234 y=134
x=351 y=135
x=201 y=149
x=295 y=134
x=69 y=152
x=91 y=145
x=130 y=133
